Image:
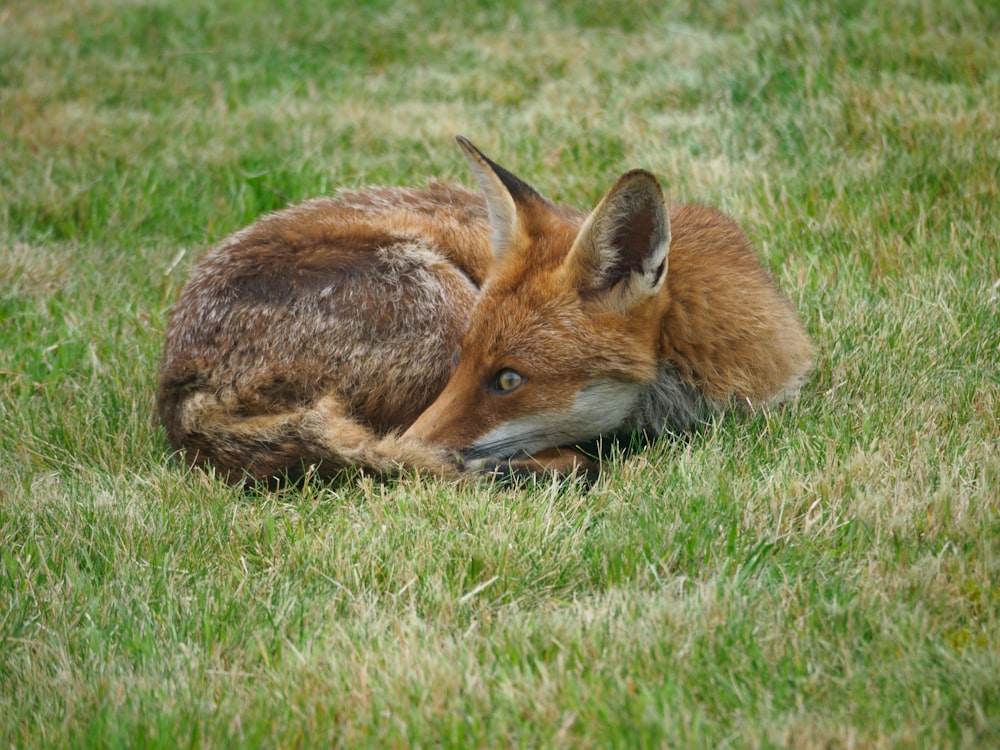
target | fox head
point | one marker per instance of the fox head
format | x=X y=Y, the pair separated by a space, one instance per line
x=566 y=330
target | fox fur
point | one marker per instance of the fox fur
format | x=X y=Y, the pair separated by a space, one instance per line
x=447 y=330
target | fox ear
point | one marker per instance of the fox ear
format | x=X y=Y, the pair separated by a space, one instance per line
x=504 y=193
x=621 y=250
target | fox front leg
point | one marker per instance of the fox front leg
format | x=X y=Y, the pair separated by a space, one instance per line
x=559 y=462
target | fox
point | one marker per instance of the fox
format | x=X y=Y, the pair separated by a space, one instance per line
x=457 y=332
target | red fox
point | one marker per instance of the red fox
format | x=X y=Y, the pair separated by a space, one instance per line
x=451 y=331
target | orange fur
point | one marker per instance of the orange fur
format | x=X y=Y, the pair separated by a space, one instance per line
x=322 y=336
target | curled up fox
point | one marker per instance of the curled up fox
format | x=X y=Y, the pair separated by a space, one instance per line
x=452 y=331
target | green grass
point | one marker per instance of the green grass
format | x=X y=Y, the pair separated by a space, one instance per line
x=823 y=575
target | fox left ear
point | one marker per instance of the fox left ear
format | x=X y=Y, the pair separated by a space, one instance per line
x=504 y=193
x=621 y=250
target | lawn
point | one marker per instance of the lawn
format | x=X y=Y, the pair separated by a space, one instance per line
x=825 y=574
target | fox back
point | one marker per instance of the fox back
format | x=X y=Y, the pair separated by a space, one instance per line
x=308 y=337
x=447 y=330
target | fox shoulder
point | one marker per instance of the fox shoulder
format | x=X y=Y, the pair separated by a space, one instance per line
x=726 y=325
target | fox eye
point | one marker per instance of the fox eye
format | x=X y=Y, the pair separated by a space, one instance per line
x=506 y=380
x=454 y=358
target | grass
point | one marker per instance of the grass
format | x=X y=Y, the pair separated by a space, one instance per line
x=821 y=575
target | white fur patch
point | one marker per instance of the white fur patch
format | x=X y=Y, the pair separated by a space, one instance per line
x=598 y=409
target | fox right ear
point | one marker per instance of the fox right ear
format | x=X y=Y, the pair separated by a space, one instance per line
x=503 y=193
x=620 y=253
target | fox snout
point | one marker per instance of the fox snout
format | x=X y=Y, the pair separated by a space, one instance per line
x=486 y=427
x=443 y=426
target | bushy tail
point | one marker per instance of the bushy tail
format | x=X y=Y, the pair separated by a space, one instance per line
x=269 y=448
